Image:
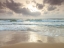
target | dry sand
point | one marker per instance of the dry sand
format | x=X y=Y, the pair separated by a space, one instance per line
x=21 y=39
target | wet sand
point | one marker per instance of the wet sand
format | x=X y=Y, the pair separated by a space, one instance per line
x=21 y=39
x=35 y=45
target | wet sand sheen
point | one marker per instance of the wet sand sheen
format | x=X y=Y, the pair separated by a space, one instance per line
x=15 y=39
x=35 y=45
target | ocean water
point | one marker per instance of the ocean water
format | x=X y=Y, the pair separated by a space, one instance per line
x=47 y=27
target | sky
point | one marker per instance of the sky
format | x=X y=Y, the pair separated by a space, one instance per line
x=31 y=9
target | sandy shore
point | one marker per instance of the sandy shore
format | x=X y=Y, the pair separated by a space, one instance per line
x=35 y=45
x=21 y=39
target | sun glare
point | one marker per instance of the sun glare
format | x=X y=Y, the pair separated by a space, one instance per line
x=31 y=8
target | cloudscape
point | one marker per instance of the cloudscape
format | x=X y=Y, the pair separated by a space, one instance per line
x=27 y=9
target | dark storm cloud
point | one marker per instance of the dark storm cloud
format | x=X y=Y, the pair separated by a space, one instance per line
x=18 y=8
x=1 y=5
x=53 y=2
x=39 y=6
x=26 y=11
x=10 y=5
x=13 y=6
x=50 y=8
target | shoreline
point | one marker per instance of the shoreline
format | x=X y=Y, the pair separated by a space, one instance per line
x=35 y=45
x=21 y=37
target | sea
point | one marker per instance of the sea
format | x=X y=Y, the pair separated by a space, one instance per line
x=47 y=27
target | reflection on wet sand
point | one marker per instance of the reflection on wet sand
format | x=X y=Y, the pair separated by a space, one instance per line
x=17 y=37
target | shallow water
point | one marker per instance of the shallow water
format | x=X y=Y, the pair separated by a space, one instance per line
x=49 y=27
x=18 y=37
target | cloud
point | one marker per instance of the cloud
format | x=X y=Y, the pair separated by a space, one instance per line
x=27 y=2
x=26 y=11
x=50 y=8
x=45 y=12
x=2 y=6
x=33 y=1
x=10 y=13
x=53 y=2
x=39 y=6
x=2 y=11
x=16 y=8
x=13 y=6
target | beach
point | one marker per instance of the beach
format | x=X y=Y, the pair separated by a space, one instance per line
x=29 y=39
x=31 y=23
x=35 y=45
